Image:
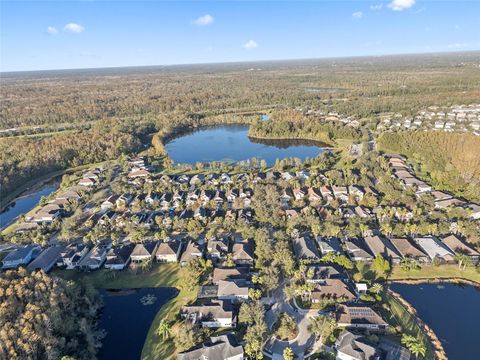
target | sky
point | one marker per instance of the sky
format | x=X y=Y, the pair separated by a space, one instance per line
x=41 y=35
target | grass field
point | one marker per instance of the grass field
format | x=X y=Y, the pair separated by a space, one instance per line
x=437 y=272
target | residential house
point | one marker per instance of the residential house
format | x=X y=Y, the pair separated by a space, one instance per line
x=354 y=347
x=243 y=253
x=193 y=250
x=169 y=252
x=47 y=259
x=340 y=192
x=20 y=256
x=380 y=246
x=72 y=255
x=94 y=259
x=357 y=250
x=328 y=245
x=144 y=251
x=109 y=203
x=359 y=317
x=408 y=250
x=332 y=289
x=224 y=347
x=314 y=195
x=326 y=193
x=139 y=173
x=216 y=314
x=305 y=249
x=237 y=273
x=298 y=194
x=435 y=249
x=119 y=257
x=234 y=290
x=317 y=274
x=87 y=182
x=459 y=247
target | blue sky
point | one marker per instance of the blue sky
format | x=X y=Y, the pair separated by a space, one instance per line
x=81 y=34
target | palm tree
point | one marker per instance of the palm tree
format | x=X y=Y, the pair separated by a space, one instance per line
x=163 y=329
x=288 y=354
x=463 y=260
x=415 y=345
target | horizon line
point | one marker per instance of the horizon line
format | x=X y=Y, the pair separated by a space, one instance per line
x=246 y=62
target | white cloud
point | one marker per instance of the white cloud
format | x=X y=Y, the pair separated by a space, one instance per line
x=203 y=20
x=250 y=44
x=376 y=7
x=52 y=30
x=400 y=5
x=74 y=28
x=357 y=15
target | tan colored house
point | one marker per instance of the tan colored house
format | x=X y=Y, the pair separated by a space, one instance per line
x=168 y=252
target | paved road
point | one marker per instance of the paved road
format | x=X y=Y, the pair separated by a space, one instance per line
x=303 y=342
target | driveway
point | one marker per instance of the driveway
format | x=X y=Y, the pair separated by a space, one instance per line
x=304 y=342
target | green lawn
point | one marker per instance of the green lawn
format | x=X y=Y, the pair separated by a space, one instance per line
x=160 y=275
x=437 y=272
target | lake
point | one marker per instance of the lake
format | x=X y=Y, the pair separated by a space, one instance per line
x=231 y=143
x=25 y=203
x=127 y=316
x=452 y=311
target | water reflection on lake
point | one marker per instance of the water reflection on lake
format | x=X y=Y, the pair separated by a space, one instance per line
x=452 y=311
x=26 y=203
x=231 y=143
x=127 y=316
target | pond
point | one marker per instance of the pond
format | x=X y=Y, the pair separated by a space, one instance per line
x=127 y=316
x=231 y=143
x=25 y=203
x=452 y=311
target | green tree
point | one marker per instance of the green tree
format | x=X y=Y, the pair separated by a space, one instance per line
x=288 y=354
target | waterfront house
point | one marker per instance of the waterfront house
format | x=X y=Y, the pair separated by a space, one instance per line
x=459 y=247
x=144 y=251
x=357 y=250
x=20 y=256
x=408 y=250
x=47 y=259
x=435 y=249
x=359 y=317
x=169 y=251
x=351 y=346
x=119 y=257
x=380 y=246
x=193 y=250
x=215 y=314
x=223 y=347
x=71 y=256
x=94 y=259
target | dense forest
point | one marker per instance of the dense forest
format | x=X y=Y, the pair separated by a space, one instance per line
x=289 y=124
x=46 y=318
x=58 y=119
x=25 y=158
x=448 y=161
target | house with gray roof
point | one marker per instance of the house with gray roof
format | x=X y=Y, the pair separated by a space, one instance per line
x=435 y=249
x=223 y=347
x=305 y=249
x=354 y=347
x=47 y=259
x=20 y=256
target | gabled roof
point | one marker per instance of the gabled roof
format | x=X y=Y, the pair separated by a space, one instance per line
x=304 y=248
x=349 y=315
x=168 y=248
x=144 y=249
x=242 y=251
x=382 y=246
x=353 y=346
x=218 y=348
x=230 y=287
x=457 y=246
x=406 y=248
x=228 y=274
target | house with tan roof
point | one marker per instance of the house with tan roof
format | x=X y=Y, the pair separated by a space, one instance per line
x=408 y=250
x=459 y=247
x=380 y=246
x=359 y=317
